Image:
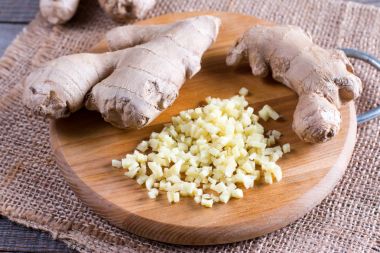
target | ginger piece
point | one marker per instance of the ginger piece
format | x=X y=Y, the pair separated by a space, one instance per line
x=58 y=11
x=148 y=78
x=58 y=87
x=130 y=87
x=323 y=79
x=122 y=10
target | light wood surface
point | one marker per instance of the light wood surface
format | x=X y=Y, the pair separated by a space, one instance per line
x=84 y=145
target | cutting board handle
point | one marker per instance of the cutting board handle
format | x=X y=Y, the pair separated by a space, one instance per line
x=375 y=112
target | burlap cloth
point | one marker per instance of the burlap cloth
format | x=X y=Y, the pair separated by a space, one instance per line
x=33 y=192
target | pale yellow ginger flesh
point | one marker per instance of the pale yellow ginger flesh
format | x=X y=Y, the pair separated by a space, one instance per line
x=322 y=78
x=122 y=10
x=58 y=11
x=130 y=87
x=210 y=153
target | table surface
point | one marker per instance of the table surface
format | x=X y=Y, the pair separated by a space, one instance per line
x=14 y=15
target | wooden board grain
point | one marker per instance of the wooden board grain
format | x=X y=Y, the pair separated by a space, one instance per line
x=84 y=145
x=7 y=34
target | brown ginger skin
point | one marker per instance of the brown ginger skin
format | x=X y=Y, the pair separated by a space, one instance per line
x=323 y=79
x=129 y=87
x=58 y=11
x=122 y=10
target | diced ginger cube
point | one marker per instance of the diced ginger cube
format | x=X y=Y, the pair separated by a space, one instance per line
x=257 y=144
x=220 y=187
x=237 y=193
x=198 y=192
x=128 y=162
x=231 y=186
x=143 y=146
x=277 y=173
x=286 y=148
x=271 y=140
x=154 y=143
x=225 y=196
x=131 y=173
x=276 y=134
x=273 y=114
x=116 y=164
x=173 y=197
x=268 y=177
x=197 y=199
x=249 y=110
x=248 y=167
x=149 y=182
x=156 y=169
x=188 y=188
x=207 y=202
x=153 y=193
x=267 y=112
x=164 y=186
x=141 y=179
x=174 y=179
x=243 y=91
x=264 y=114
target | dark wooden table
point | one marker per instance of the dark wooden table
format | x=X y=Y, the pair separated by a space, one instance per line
x=14 y=15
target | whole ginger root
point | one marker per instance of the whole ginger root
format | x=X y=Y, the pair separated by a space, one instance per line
x=122 y=10
x=60 y=11
x=323 y=79
x=129 y=87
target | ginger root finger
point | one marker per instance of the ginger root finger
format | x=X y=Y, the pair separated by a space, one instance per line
x=323 y=118
x=323 y=79
x=58 y=11
x=58 y=87
x=122 y=10
x=148 y=76
x=131 y=35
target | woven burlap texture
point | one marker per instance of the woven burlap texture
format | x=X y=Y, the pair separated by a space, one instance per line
x=33 y=192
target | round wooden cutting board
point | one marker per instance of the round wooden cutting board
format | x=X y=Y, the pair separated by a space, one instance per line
x=84 y=146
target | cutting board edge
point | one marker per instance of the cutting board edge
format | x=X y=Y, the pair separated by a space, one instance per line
x=214 y=235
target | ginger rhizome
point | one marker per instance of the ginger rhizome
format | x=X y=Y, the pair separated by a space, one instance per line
x=122 y=10
x=129 y=87
x=61 y=11
x=58 y=11
x=323 y=79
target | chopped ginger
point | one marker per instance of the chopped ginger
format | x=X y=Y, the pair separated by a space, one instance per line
x=210 y=153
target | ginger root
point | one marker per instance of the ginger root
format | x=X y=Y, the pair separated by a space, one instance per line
x=129 y=87
x=122 y=10
x=323 y=79
x=58 y=11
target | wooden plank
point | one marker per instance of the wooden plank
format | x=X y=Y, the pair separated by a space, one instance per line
x=18 y=11
x=7 y=33
x=371 y=2
x=15 y=238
